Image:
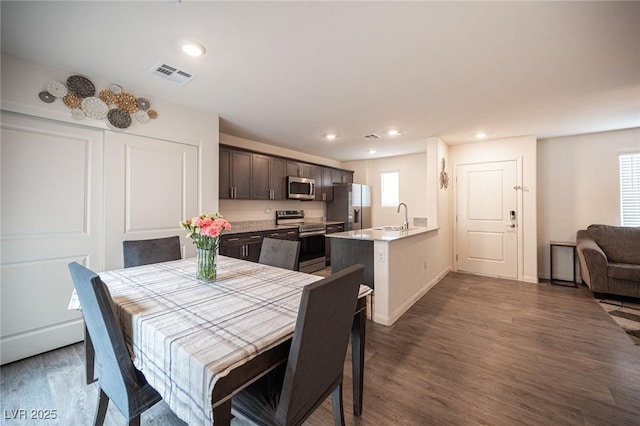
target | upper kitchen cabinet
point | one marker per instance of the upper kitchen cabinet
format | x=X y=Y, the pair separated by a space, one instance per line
x=236 y=174
x=342 y=176
x=296 y=168
x=268 y=177
x=324 y=183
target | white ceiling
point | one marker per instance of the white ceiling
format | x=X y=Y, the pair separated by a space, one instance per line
x=286 y=73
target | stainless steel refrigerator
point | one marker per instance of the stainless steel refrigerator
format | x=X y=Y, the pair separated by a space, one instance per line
x=352 y=205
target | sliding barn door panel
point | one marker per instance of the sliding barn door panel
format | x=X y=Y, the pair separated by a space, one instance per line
x=52 y=206
x=153 y=184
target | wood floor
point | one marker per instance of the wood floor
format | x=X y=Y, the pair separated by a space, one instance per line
x=473 y=351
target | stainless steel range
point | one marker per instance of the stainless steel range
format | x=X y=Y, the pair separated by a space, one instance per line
x=311 y=236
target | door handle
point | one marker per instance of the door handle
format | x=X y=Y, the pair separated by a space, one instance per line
x=512 y=225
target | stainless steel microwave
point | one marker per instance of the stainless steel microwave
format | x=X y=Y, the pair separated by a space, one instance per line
x=300 y=188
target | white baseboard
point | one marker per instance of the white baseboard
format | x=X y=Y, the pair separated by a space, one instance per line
x=23 y=345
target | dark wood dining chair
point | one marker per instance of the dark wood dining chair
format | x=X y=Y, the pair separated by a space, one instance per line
x=144 y=252
x=290 y=393
x=119 y=381
x=136 y=253
x=280 y=253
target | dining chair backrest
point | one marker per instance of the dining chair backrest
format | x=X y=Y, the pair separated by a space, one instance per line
x=319 y=345
x=280 y=253
x=144 y=252
x=117 y=376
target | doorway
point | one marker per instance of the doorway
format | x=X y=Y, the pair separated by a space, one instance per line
x=487 y=218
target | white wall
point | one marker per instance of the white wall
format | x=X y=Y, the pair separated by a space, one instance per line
x=578 y=185
x=524 y=149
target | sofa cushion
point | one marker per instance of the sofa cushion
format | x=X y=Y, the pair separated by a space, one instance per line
x=621 y=244
x=624 y=271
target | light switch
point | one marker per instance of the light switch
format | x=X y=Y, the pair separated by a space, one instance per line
x=380 y=256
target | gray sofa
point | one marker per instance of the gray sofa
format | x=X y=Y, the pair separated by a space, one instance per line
x=610 y=259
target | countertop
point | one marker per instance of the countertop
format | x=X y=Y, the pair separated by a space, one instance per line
x=265 y=225
x=378 y=234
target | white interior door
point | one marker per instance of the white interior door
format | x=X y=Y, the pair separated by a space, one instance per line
x=487 y=219
x=153 y=184
x=52 y=206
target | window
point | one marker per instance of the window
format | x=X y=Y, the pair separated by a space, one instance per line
x=630 y=189
x=390 y=188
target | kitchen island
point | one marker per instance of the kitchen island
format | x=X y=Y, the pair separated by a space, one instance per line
x=396 y=265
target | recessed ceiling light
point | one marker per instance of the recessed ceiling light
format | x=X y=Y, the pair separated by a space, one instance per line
x=372 y=151
x=331 y=136
x=480 y=135
x=394 y=132
x=193 y=48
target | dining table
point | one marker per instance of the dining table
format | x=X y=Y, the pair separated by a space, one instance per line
x=198 y=343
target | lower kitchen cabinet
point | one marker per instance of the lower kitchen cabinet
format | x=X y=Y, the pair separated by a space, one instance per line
x=245 y=246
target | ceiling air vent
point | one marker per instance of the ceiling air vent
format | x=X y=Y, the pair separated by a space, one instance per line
x=167 y=72
x=371 y=136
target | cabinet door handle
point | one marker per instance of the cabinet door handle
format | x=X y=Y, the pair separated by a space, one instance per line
x=324 y=196
x=233 y=239
x=256 y=236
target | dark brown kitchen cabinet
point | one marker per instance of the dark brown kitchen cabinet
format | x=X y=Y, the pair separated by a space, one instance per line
x=330 y=229
x=342 y=176
x=324 y=183
x=296 y=168
x=268 y=178
x=236 y=173
x=245 y=246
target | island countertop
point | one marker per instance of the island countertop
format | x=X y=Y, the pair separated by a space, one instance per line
x=381 y=234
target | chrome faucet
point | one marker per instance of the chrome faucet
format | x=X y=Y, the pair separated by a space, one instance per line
x=405 y=224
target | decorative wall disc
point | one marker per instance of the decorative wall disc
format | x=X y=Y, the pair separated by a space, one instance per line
x=46 y=97
x=142 y=116
x=127 y=102
x=72 y=101
x=119 y=118
x=152 y=113
x=115 y=88
x=143 y=104
x=81 y=86
x=108 y=97
x=95 y=108
x=78 y=114
x=57 y=89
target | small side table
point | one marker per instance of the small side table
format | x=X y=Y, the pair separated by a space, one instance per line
x=571 y=245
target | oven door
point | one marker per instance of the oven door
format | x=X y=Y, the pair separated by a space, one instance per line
x=312 y=257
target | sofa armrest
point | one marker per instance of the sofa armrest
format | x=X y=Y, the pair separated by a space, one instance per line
x=593 y=263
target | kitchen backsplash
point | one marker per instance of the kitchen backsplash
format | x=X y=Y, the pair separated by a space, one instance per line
x=259 y=210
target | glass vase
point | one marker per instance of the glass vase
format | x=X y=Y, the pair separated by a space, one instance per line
x=206 y=264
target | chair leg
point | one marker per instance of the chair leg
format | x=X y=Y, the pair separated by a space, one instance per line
x=338 y=412
x=101 y=410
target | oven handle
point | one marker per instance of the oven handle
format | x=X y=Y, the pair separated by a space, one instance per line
x=311 y=233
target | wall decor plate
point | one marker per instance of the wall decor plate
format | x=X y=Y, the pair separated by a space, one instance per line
x=46 y=97
x=57 y=89
x=78 y=114
x=127 y=102
x=142 y=116
x=115 y=88
x=95 y=107
x=72 y=101
x=81 y=86
x=108 y=97
x=119 y=118
x=143 y=104
x=152 y=113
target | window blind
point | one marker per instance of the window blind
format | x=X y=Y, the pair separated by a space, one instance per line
x=630 y=189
